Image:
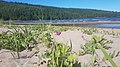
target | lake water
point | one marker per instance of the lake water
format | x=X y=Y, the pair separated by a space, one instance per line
x=108 y=25
x=73 y=20
x=80 y=20
x=85 y=20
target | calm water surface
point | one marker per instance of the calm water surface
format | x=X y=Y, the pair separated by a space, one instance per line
x=108 y=25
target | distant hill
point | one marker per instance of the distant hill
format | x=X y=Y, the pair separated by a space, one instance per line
x=24 y=11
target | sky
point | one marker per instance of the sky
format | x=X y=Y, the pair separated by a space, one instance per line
x=110 y=5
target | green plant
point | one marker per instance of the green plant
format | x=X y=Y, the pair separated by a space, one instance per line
x=96 y=43
x=46 y=38
x=91 y=45
x=112 y=55
x=110 y=33
x=1 y=21
x=99 y=42
x=107 y=56
x=61 y=56
x=59 y=28
x=89 y=31
x=17 y=40
x=84 y=65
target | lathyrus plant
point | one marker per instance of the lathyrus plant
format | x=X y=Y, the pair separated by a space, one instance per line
x=17 y=40
x=61 y=56
x=99 y=43
x=46 y=38
x=89 y=31
x=107 y=56
x=43 y=33
x=112 y=55
x=91 y=45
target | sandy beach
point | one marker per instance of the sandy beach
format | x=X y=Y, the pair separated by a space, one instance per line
x=78 y=38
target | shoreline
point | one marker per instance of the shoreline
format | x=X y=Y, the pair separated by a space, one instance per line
x=86 y=23
x=73 y=24
x=64 y=23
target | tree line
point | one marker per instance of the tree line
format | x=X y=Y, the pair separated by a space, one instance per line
x=24 y=11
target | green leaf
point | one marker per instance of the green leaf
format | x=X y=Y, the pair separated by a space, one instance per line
x=107 y=56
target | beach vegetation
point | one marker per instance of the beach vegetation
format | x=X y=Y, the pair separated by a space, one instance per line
x=61 y=55
x=89 y=31
x=99 y=43
x=17 y=40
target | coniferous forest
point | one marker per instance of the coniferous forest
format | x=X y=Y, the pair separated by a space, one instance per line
x=24 y=11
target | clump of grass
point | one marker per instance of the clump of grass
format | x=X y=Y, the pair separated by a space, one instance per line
x=17 y=40
x=99 y=43
x=91 y=45
x=61 y=56
x=1 y=21
x=89 y=31
x=113 y=33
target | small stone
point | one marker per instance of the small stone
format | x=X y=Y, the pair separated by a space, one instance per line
x=34 y=62
x=38 y=64
x=41 y=63
x=0 y=60
x=44 y=61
